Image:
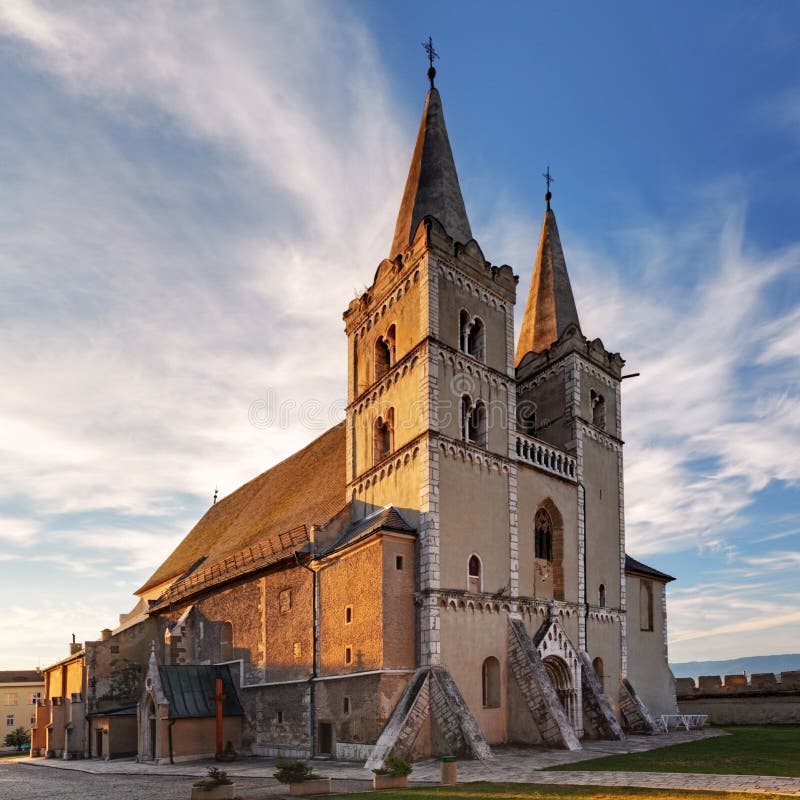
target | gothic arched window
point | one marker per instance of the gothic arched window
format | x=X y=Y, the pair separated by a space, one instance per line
x=476 y=339
x=466 y=411
x=598 y=409
x=383 y=436
x=602 y=593
x=646 y=606
x=474 y=574
x=226 y=642
x=477 y=424
x=463 y=331
x=383 y=357
x=490 y=680
x=543 y=535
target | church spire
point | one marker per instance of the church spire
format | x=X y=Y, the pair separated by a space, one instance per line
x=551 y=306
x=432 y=187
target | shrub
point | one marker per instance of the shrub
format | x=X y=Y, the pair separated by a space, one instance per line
x=293 y=772
x=219 y=776
x=396 y=767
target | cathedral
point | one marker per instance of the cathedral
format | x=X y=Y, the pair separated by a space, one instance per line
x=441 y=572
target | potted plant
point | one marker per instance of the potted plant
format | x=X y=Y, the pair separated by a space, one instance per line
x=393 y=775
x=302 y=781
x=216 y=786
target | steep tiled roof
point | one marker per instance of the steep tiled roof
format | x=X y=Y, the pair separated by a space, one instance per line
x=387 y=519
x=632 y=565
x=307 y=488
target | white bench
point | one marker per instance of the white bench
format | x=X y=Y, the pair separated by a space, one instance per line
x=668 y=722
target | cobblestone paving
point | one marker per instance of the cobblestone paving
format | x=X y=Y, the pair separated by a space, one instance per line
x=125 y=779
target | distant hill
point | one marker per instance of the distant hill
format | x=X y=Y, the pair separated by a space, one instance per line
x=736 y=666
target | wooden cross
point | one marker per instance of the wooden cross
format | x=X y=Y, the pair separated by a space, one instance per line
x=219 y=698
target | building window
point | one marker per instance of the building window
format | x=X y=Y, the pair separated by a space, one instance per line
x=646 y=606
x=472 y=336
x=279 y=717
x=602 y=593
x=474 y=574
x=473 y=421
x=348 y=655
x=9 y=719
x=345 y=705
x=33 y=720
x=226 y=642
x=543 y=527
x=297 y=650
x=348 y=615
x=285 y=601
x=76 y=697
x=383 y=435
x=114 y=649
x=34 y=697
x=597 y=664
x=10 y=700
x=384 y=353
x=598 y=409
x=398 y=562
x=491 y=683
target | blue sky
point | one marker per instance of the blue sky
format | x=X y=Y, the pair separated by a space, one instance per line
x=191 y=193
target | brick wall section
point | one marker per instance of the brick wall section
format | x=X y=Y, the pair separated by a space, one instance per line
x=535 y=686
x=454 y=719
x=596 y=705
x=635 y=715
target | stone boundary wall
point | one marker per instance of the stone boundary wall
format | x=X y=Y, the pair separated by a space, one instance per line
x=762 y=698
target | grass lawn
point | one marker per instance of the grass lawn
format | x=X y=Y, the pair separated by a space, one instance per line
x=749 y=750
x=527 y=791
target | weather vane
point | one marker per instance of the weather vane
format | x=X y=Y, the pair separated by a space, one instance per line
x=432 y=56
x=548 y=179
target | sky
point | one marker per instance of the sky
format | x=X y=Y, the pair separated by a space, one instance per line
x=192 y=192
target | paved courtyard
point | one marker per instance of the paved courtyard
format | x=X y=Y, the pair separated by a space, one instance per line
x=125 y=779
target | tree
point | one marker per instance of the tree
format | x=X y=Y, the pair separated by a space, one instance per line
x=18 y=738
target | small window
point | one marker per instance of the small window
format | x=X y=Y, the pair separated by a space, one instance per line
x=10 y=700
x=76 y=697
x=226 y=642
x=599 y=669
x=9 y=719
x=345 y=705
x=463 y=331
x=114 y=649
x=543 y=535
x=297 y=651
x=602 y=593
x=348 y=615
x=646 y=606
x=474 y=574
x=598 y=409
x=475 y=339
x=348 y=655
x=34 y=697
x=33 y=720
x=285 y=601
x=383 y=436
x=477 y=425
x=491 y=683
x=279 y=717
x=398 y=562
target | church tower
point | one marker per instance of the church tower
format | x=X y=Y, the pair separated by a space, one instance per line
x=431 y=377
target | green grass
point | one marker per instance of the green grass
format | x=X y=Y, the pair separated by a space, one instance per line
x=749 y=750
x=527 y=791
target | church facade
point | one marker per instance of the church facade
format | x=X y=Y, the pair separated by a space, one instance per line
x=445 y=570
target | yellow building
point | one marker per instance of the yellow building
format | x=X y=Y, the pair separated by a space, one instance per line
x=19 y=692
x=445 y=570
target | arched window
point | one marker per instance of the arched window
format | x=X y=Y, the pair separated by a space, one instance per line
x=543 y=535
x=476 y=339
x=491 y=683
x=226 y=642
x=646 y=606
x=463 y=330
x=355 y=365
x=598 y=409
x=602 y=593
x=477 y=424
x=597 y=664
x=383 y=357
x=383 y=436
x=474 y=574
x=466 y=411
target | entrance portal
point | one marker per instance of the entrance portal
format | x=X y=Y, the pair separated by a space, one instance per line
x=559 y=674
x=325 y=739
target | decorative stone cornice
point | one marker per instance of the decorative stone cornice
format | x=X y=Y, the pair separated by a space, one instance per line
x=493 y=297
x=546 y=374
x=606 y=439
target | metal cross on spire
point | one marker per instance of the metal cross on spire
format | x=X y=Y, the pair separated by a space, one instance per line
x=432 y=56
x=548 y=179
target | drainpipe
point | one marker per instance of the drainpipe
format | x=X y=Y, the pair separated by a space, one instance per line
x=314 y=649
x=585 y=574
